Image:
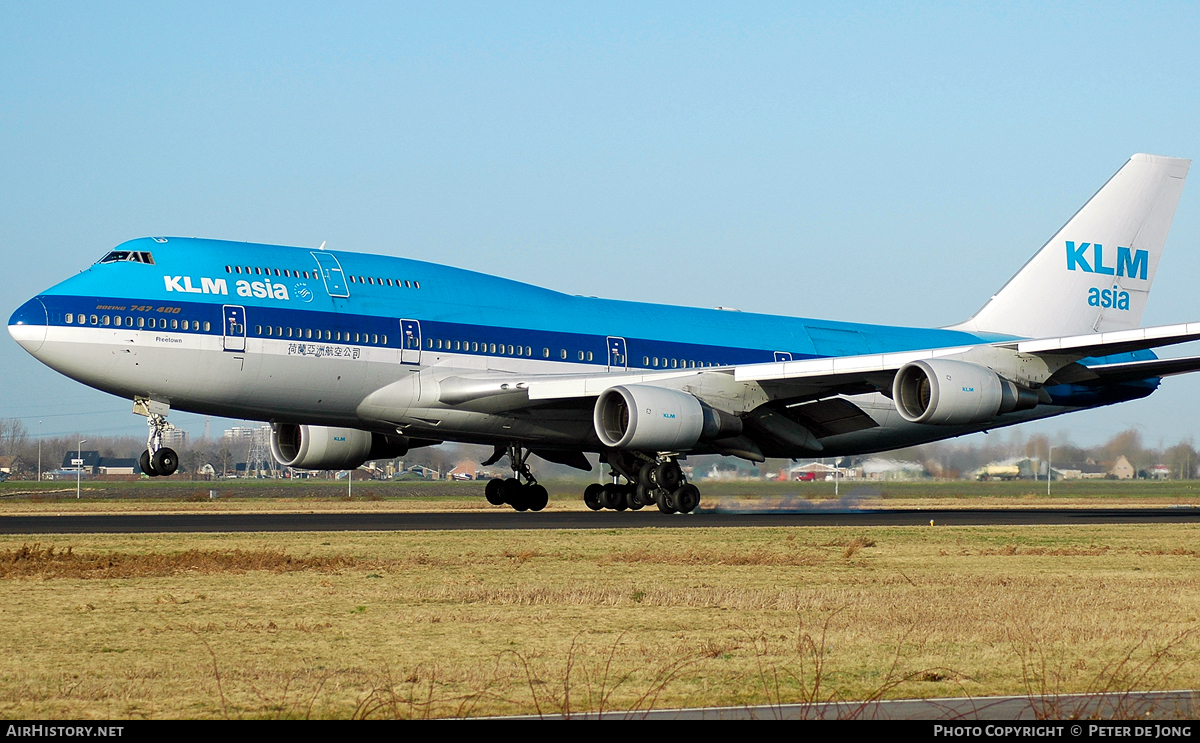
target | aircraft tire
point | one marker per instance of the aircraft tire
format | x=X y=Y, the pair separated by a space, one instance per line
x=644 y=494
x=646 y=476
x=662 y=499
x=686 y=498
x=165 y=461
x=491 y=491
x=591 y=496
x=538 y=497
x=510 y=490
x=622 y=497
x=632 y=501
x=668 y=476
x=144 y=464
x=609 y=496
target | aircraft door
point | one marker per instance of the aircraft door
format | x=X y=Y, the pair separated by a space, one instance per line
x=331 y=271
x=410 y=342
x=618 y=360
x=234 y=318
x=783 y=356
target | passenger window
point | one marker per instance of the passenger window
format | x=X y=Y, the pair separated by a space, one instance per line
x=70 y=318
x=375 y=338
x=416 y=284
x=563 y=354
x=308 y=332
x=528 y=351
x=141 y=322
x=645 y=361
x=655 y=361
x=207 y=326
x=258 y=330
x=117 y=321
x=589 y=355
x=95 y=320
x=491 y=348
x=581 y=355
x=545 y=353
x=407 y=285
x=384 y=340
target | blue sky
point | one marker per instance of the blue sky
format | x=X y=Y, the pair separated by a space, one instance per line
x=878 y=163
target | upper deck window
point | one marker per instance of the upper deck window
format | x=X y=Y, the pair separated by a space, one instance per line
x=128 y=256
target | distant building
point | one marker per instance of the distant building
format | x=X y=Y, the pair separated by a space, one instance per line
x=1122 y=469
x=879 y=468
x=175 y=438
x=94 y=464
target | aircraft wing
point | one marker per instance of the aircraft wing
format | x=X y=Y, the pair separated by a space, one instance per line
x=1061 y=351
x=814 y=378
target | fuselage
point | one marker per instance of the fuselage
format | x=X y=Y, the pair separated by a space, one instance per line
x=294 y=335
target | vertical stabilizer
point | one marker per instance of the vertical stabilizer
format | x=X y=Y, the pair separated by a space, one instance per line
x=1095 y=274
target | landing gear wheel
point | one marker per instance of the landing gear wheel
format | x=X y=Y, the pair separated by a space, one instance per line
x=538 y=497
x=632 y=502
x=610 y=495
x=646 y=476
x=491 y=491
x=686 y=498
x=668 y=476
x=144 y=464
x=165 y=461
x=621 y=497
x=662 y=499
x=511 y=491
x=591 y=496
x=644 y=495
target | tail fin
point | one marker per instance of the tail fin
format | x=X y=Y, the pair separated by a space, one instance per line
x=1095 y=274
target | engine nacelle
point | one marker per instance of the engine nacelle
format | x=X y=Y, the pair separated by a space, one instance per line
x=648 y=418
x=948 y=392
x=324 y=448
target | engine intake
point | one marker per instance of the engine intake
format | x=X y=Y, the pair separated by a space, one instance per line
x=325 y=448
x=648 y=418
x=948 y=392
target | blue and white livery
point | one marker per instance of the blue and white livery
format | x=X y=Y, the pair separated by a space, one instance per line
x=353 y=357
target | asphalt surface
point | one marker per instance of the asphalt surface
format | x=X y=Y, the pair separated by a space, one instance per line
x=1141 y=706
x=507 y=519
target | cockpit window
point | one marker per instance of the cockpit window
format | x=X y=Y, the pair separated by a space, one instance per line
x=129 y=256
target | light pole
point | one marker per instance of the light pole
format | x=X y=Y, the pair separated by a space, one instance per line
x=79 y=466
x=39 y=451
x=1049 y=469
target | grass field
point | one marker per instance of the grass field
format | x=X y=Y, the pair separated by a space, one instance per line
x=473 y=623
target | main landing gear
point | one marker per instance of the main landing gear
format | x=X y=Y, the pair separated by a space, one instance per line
x=655 y=482
x=522 y=496
x=158 y=460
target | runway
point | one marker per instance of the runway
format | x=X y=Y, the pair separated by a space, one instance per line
x=505 y=519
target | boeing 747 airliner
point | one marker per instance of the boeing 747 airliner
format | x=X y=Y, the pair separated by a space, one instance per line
x=354 y=357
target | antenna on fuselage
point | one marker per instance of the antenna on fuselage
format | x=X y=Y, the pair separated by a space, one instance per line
x=322 y=245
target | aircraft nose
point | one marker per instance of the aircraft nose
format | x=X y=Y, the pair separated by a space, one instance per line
x=28 y=324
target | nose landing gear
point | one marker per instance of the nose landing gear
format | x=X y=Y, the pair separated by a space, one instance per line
x=157 y=460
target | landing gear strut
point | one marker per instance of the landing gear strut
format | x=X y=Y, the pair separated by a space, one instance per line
x=648 y=481
x=158 y=460
x=522 y=496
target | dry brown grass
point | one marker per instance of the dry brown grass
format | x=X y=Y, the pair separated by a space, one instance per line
x=425 y=624
x=35 y=561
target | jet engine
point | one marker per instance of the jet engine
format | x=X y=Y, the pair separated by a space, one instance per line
x=324 y=448
x=948 y=392
x=648 y=418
